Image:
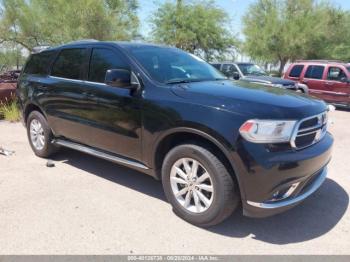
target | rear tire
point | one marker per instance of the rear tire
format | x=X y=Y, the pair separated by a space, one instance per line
x=198 y=185
x=40 y=135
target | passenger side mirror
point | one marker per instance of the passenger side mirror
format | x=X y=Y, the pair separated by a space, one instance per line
x=235 y=75
x=122 y=78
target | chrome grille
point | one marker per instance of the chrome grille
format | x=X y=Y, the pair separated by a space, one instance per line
x=309 y=131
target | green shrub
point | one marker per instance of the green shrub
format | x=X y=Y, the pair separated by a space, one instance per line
x=10 y=111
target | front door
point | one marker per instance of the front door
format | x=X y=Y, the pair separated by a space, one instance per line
x=116 y=114
x=337 y=85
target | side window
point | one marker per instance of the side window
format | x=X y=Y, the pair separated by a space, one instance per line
x=296 y=71
x=315 y=72
x=38 y=64
x=217 y=66
x=229 y=69
x=102 y=60
x=335 y=73
x=226 y=67
x=69 y=63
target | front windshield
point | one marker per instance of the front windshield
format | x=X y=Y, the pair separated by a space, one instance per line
x=170 y=65
x=251 y=69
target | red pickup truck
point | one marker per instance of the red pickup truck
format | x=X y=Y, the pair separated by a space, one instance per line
x=328 y=80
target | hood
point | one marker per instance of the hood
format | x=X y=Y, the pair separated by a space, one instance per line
x=251 y=100
x=268 y=80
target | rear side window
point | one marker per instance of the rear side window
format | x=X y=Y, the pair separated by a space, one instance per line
x=315 y=72
x=217 y=66
x=69 y=63
x=296 y=71
x=39 y=64
x=102 y=60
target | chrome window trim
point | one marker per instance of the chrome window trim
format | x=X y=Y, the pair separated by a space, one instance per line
x=86 y=81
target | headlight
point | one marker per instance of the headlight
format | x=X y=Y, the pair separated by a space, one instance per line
x=267 y=131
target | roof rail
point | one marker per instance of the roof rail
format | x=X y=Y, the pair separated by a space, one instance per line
x=81 y=41
x=320 y=61
x=38 y=49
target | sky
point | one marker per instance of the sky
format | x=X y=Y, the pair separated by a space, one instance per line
x=235 y=8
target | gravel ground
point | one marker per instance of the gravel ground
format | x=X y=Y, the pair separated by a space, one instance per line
x=86 y=205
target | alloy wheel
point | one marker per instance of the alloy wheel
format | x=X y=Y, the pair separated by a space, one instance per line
x=37 y=136
x=191 y=185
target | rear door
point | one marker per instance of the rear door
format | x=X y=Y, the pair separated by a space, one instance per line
x=337 y=85
x=314 y=78
x=68 y=104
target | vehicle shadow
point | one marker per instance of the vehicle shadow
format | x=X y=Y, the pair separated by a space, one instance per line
x=314 y=217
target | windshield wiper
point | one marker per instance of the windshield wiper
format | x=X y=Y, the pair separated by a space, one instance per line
x=180 y=81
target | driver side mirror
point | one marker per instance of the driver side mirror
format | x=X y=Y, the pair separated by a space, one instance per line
x=235 y=75
x=122 y=78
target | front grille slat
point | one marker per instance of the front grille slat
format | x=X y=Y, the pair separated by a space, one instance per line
x=309 y=131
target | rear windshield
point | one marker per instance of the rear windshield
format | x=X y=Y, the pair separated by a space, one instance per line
x=39 y=64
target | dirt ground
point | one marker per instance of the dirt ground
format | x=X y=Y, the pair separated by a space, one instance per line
x=86 y=205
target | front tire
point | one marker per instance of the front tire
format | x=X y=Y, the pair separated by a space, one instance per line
x=40 y=135
x=198 y=185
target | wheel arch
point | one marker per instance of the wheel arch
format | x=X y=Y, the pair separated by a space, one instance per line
x=178 y=136
x=30 y=107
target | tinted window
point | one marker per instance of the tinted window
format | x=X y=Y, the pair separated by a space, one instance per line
x=69 y=63
x=171 y=65
x=229 y=68
x=38 y=64
x=101 y=61
x=251 y=69
x=315 y=72
x=335 y=73
x=296 y=71
x=217 y=66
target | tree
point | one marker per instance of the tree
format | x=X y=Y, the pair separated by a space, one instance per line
x=10 y=58
x=39 y=22
x=198 y=27
x=283 y=30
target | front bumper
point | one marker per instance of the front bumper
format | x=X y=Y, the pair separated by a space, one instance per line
x=276 y=181
x=292 y=201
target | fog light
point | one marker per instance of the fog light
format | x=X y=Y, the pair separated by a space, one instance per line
x=282 y=194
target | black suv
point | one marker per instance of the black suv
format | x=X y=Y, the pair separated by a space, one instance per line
x=213 y=142
x=252 y=73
